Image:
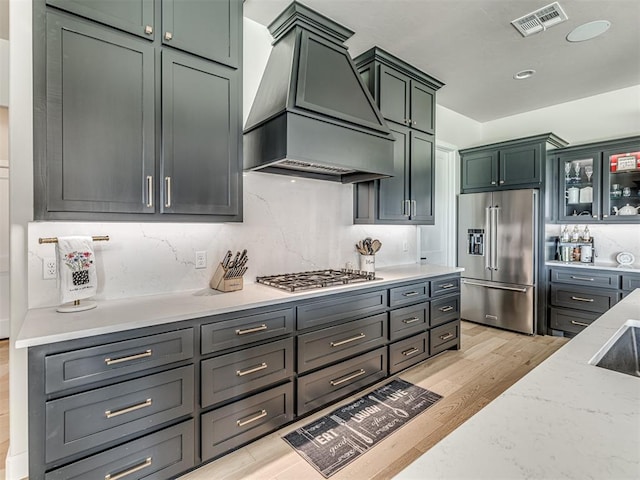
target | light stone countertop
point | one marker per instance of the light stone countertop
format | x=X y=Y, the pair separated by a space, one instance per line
x=635 y=268
x=45 y=325
x=565 y=419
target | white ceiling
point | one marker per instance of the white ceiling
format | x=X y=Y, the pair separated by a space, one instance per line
x=472 y=47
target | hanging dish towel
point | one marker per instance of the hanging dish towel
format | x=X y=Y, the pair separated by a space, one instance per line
x=77 y=278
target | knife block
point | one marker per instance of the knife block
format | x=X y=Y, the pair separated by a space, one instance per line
x=218 y=282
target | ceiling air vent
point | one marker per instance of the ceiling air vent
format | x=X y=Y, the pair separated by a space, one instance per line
x=540 y=20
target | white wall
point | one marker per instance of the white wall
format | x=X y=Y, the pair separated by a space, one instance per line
x=4 y=223
x=455 y=129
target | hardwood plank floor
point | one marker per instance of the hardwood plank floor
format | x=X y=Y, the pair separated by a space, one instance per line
x=489 y=362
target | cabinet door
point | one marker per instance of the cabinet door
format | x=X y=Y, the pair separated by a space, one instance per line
x=200 y=137
x=422 y=107
x=395 y=89
x=422 y=178
x=100 y=145
x=579 y=187
x=520 y=165
x=480 y=170
x=133 y=16
x=392 y=197
x=621 y=185
x=209 y=29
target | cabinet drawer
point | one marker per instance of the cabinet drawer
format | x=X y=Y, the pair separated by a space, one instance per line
x=630 y=282
x=445 y=286
x=408 y=352
x=244 y=330
x=591 y=300
x=444 y=337
x=93 y=364
x=331 y=383
x=445 y=309
x=86 y=420
x=245 y=371
x=328 y=345
x=585 y=277
x=569 y=320
x=408 y=320
x=416 y=292
x=343 y=307
x=238 y=423
x=161 y=455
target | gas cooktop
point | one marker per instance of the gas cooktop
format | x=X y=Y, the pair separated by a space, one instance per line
x=294 y=282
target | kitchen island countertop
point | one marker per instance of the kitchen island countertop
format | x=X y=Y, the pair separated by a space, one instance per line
x=45 y=325
x=565 y=419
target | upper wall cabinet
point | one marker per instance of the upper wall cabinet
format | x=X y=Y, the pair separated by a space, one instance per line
x=406 y=97
x=127 y=128
x=512 y=164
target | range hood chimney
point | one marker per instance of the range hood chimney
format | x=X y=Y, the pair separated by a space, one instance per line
x=312 y=115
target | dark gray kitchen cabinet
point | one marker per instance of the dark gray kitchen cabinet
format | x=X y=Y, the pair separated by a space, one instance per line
x=479 y=169
x=406 y=97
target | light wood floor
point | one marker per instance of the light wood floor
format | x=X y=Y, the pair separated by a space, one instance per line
x=489 y=362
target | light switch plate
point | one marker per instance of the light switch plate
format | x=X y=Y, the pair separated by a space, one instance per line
x=201 y=259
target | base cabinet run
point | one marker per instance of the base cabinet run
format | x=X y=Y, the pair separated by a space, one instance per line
x=159 y=401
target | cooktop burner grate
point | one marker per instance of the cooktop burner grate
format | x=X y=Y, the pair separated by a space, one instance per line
x=294 y=282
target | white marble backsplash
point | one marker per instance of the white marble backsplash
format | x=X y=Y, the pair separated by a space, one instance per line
x=288 y=226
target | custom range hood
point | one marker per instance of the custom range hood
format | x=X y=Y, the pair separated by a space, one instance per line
x=312 y=115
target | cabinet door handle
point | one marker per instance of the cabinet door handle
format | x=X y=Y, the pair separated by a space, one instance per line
x=586 y=279
x=501 y=182
x=410 y=352
x=348 y=340
x=406 y=208
x=446 y=336
x=581 y=299
x=493 y=182
x=257 y=368
x=148 y=29
x=415 y=123
x=167 y=186
x=124 y=473
x=348 y=377
x=113 y=361
x=149 y=191
x=580 y=324
x=242 y=422
x=133 y=408
x=447 y=285
x=411 y=294
x=411 y=320
x=168 y=35
x=414 y=208
x=448 y=308
x=251 y=330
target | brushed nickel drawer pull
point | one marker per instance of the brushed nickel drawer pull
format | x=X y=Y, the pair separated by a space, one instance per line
x=447 y=285
x=446 y=336
x=410 y=320
x=113 y=361
x=257 y=416
x=580 y=324
x=133 y=408
x=586 y=279
x=448 y=308
x=411 y=294
x=348 y=377
x=252 y=330
x=257 y=368
x=137 y=468
x=409 y=352
x=581 y=299
x=348 y=340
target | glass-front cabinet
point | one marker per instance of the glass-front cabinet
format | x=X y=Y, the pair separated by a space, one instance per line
x=621 y=180
x=579 y=179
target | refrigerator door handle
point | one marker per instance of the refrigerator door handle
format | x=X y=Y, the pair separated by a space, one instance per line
x=488 y=240
x=494 y=241
x=497 y=287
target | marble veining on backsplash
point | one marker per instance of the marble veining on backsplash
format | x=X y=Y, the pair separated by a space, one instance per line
x=288 y=226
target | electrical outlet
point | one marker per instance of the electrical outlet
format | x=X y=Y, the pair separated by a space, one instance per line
x=405 y=246
x=49 y=268
x=201 y=259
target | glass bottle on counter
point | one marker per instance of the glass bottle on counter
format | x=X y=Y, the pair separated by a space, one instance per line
x=575 y=234
x=564 y=236
x=586 y=234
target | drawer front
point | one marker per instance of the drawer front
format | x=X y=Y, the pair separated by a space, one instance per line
x=158 y=456
x=240 y=422
x=331 y=383
x=244 y=330
x=344 y=307
x=242 y=372
x=319 y=348
x=589 y=278
x=408 y=352
x=408 y=320
x=86 y=420
x=630 y=282
x=445 y=309
x=416 y=292
x=87 y=365
x=444 y=337
x=596 y=301
x=445 y=286
x=569 y=320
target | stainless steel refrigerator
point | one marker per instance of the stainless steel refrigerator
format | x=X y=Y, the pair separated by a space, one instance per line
x=497 y=234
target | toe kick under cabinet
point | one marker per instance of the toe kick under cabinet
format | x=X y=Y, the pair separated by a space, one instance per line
x=156 y=402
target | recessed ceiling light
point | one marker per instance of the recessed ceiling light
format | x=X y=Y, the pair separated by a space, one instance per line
x=588 y=31
x=522 y=74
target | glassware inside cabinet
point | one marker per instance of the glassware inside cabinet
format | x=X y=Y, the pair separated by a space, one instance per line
x=624 y=183
x=578 y=186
